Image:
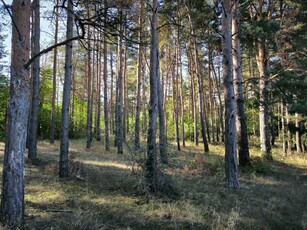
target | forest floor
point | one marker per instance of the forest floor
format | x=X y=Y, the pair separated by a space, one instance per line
x=105 y=191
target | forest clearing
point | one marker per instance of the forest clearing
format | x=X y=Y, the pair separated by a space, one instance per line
x=102 y=192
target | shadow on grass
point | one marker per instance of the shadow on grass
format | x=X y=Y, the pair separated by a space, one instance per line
x=273 y=196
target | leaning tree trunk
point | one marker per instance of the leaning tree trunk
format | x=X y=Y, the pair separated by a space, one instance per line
x=151 y=161
x=231 y=167
x=32 y=144
x=12 y=203
x=64 y=142
x=243 y=149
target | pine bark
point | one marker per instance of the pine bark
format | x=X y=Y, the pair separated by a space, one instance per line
x=162 y=128
x=105 y=93
x=54 y=80
x=139 y=80
x=32 y=144
x=262 y=58
x=120 y=88
x=242 y=138
x=298 y=135
x=89 y=119
x=231 y=167
x=151 y=161
x=98 y=91
x=12 y=203
x=64 y=142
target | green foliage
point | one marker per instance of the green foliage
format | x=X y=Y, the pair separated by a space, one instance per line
x=77 y=123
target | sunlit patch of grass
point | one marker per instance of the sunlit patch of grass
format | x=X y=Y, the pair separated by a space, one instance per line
x=107 y=163
x=105 y=196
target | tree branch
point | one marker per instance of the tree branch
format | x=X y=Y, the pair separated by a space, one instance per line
x=50 y=48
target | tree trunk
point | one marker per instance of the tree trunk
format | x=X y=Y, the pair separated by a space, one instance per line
x=125 y=91
x=32 y=145
x=98 y=91
x=289 y=141
x=54 y=81
x=175 y=100
x=200 y=101
x=182 y=100
x=231 y=167
x=139 y=81
x=298 y=135
x=220 y=104
x=194 y=96
x=243 y=149
x=12 y=203
x=64 y=142
x=89 y=92
x=120 y=79
x=211 y=97
x=151 y=161
x=112 y=128
x=162 y=128
x=200 y=82
x=262 y=57
x=105 y=92
x=283 y=129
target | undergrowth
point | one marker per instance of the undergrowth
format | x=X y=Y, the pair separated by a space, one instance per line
x=107 y=191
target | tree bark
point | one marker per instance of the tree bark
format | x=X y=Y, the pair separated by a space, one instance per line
x=32 y=145
x=139 y=80
x=283 y=129
x=98 y=90
x=64 y=142
x=89 y=119
x=120 y=79
x=289 y=141
x=298 y=134
x=54 y=80
x=162 y=128
x=231 y=167
x=242 y=138
x=151 y=161
x=175 y=99
x=262 y=58
x=12 y=203
x=105 y=93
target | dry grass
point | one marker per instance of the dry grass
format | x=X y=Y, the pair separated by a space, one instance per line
x=103 y=193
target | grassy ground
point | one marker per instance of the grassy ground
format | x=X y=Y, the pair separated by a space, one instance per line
x=103 y=192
